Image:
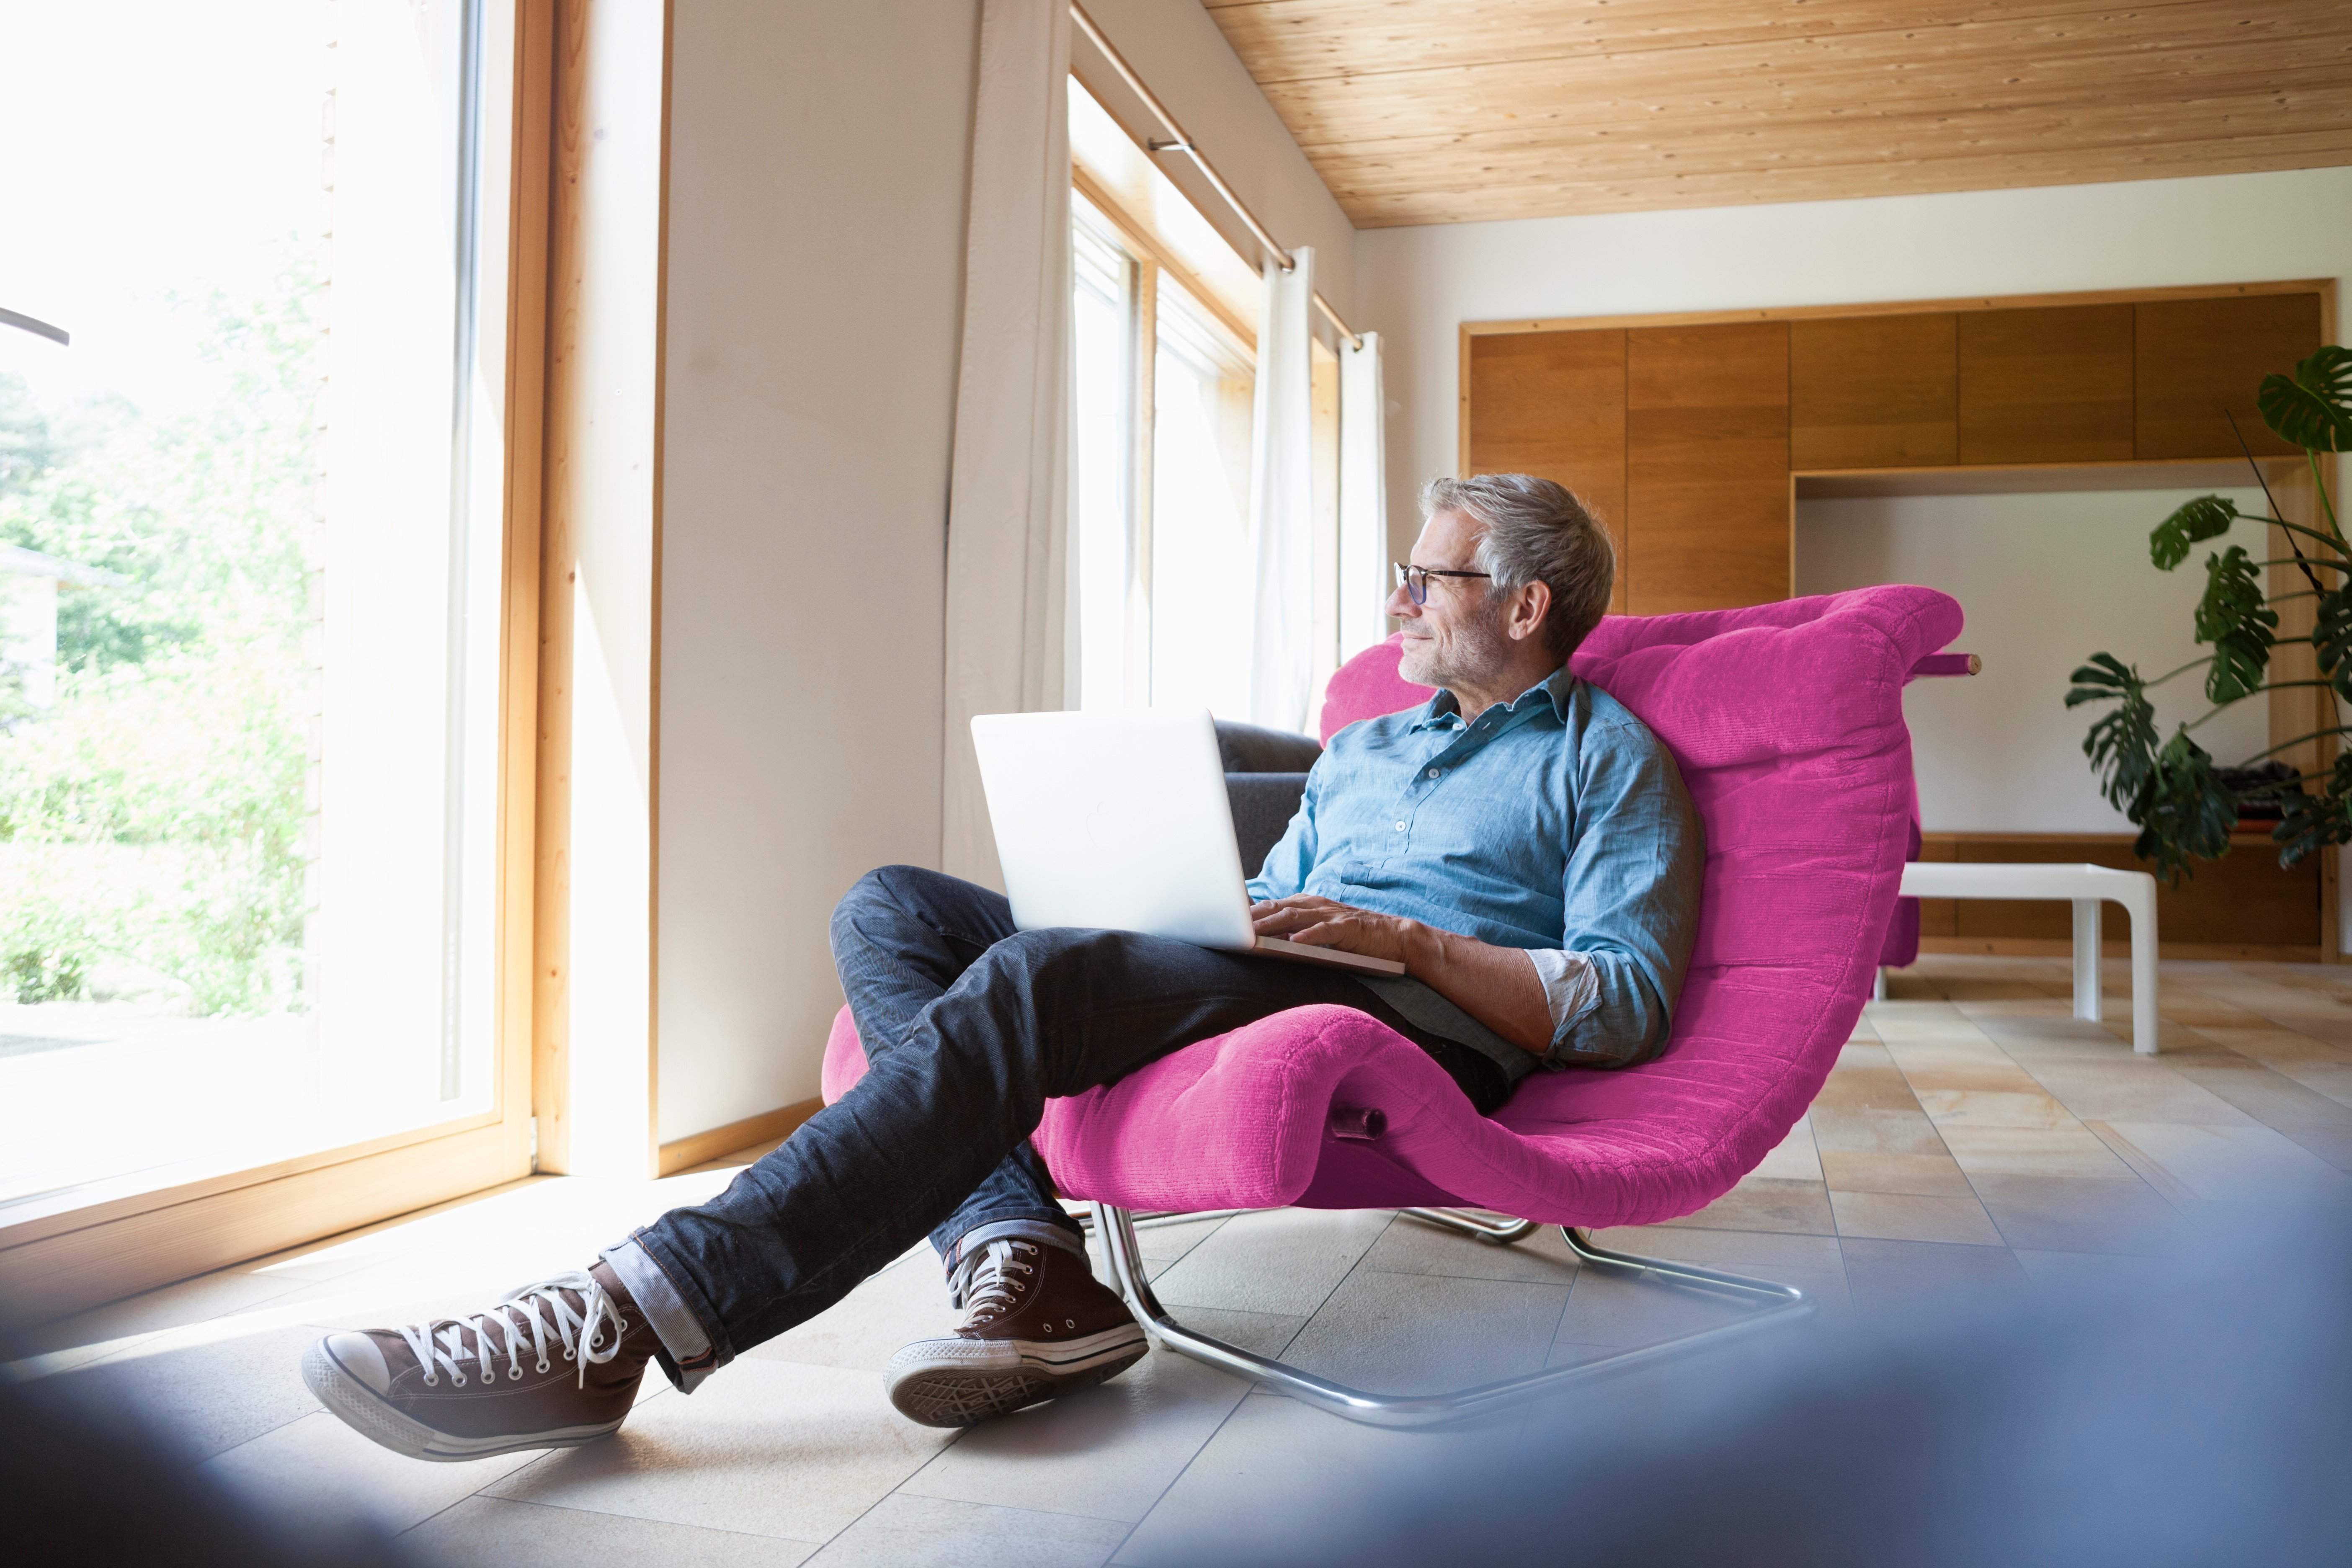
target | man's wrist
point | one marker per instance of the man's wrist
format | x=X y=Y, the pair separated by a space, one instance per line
x=1423 y=947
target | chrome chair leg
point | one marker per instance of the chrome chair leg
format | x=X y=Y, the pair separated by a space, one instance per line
x=1470 y=1222
x=1775 y=1303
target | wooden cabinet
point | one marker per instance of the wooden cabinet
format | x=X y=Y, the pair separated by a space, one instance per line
x=2050 y=385
x=1685 y=436
x=1707 y=467
x=1874 y=392
x=1553 y=405
x=2197 y=357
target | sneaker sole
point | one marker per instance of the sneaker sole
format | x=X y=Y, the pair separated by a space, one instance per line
x=960 y=1383
x=359 y=1407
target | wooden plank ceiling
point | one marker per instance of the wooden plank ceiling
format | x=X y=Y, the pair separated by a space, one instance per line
x=1449 y=111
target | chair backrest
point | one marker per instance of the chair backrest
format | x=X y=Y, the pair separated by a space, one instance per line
x=1787 y=722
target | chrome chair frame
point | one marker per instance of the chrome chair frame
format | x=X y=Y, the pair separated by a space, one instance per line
x=1776 y=1304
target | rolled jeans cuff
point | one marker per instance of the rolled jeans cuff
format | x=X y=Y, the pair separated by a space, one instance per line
x=687 y=1356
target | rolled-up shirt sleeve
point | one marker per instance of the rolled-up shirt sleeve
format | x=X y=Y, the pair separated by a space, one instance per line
x=1572 y=988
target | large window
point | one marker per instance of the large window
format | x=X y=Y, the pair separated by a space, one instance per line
x=1163 y=398
x=1166 y=316
x=250 y=571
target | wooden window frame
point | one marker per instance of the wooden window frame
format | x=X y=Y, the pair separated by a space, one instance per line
x=65 y=1251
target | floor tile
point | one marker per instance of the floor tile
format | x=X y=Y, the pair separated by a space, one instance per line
x=2333 y=1079
x=2099 y=1271
x=489 y=1530
x=904 y=1531
x=1866 y=1089
x=1928 y=1175
x=2032 y=1151
x=1426 y=1334
x=1610 y=1309
x=315 y=1473
x=1276 y=1469
x=1284 y=1262
x=1982 y=1108
x=1794 y=1158
x=1417 y=1247
x=1110 y=1450
x=1760 y=1203
x=1874 y=1133
x=2233 y=1164
x=203 y=1398
x=1908 y=1216
x=765 y=1447
x=101 y=1332
x=1892 y=1280
x=2070 y=1214
x=866 y=1328
x=2134 y=1091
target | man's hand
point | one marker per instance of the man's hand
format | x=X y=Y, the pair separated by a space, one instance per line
x=1496 y=986
x=1326 y=922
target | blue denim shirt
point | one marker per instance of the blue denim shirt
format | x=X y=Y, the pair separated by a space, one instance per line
x=1556 y=822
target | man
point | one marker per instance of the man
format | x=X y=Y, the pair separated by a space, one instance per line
x=1522 y=843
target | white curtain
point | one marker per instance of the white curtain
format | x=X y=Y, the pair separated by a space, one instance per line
x=1009 y=574
x=1281 y=499
x=1363 y=497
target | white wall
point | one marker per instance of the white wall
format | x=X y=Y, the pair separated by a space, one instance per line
x=819 y=160
x=1417 y=286
x=2047 y=580
x=1175 y=46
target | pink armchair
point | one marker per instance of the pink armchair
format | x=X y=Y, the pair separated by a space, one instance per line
x=1787 y=721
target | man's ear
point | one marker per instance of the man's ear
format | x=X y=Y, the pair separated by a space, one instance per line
x=1529 y=610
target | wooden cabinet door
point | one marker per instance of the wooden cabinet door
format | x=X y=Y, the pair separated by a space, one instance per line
x=1874 y=392
x=1707 y=467
x=1553 y=405
x=2197 y=357
x=2048 y=386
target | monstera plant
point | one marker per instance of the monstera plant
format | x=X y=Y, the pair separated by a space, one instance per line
x=2183 y=806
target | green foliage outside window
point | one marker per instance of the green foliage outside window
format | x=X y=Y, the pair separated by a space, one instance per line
x=2168 y=786
x=153 y=816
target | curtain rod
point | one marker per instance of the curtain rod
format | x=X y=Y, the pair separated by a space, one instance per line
x=1179 y=142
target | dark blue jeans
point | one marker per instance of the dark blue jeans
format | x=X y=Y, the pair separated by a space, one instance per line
x=969 y=1026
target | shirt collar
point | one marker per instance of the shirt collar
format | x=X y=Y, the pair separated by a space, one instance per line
x=1559 y=687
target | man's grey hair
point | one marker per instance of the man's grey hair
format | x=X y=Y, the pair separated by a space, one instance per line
x=1536 y=532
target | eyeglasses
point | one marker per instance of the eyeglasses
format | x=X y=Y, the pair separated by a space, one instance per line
x=1414 y=580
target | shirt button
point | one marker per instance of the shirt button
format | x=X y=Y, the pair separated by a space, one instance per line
x=1434 y=772
x=1399 y=827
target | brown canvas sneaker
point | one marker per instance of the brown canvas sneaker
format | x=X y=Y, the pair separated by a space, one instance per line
x=1037 y=1325
x=552 y=1366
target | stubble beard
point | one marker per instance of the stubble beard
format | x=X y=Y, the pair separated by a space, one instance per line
x=1475 y=651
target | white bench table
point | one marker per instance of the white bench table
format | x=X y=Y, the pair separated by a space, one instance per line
x=2086 y=886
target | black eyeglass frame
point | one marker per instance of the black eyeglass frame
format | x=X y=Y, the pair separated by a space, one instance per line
x=1414 y=580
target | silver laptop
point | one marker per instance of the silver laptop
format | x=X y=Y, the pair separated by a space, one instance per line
x=1121 y=822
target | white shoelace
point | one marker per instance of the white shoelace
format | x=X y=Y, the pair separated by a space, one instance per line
x=988 y=1288
x=518 y=1310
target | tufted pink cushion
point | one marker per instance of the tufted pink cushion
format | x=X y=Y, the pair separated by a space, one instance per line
x=1787 y=720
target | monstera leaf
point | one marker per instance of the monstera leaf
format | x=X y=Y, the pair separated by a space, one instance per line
x=2121 y=744
x=2316 y=821
x=2207 y=517
x=2312 y=407
x=2182 y=811
x=2331 y=638
x=2240 y=627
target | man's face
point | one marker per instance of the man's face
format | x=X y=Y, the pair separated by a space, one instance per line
x=1458 y=635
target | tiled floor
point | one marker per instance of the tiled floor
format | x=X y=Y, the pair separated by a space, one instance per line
x=1975 y=1141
